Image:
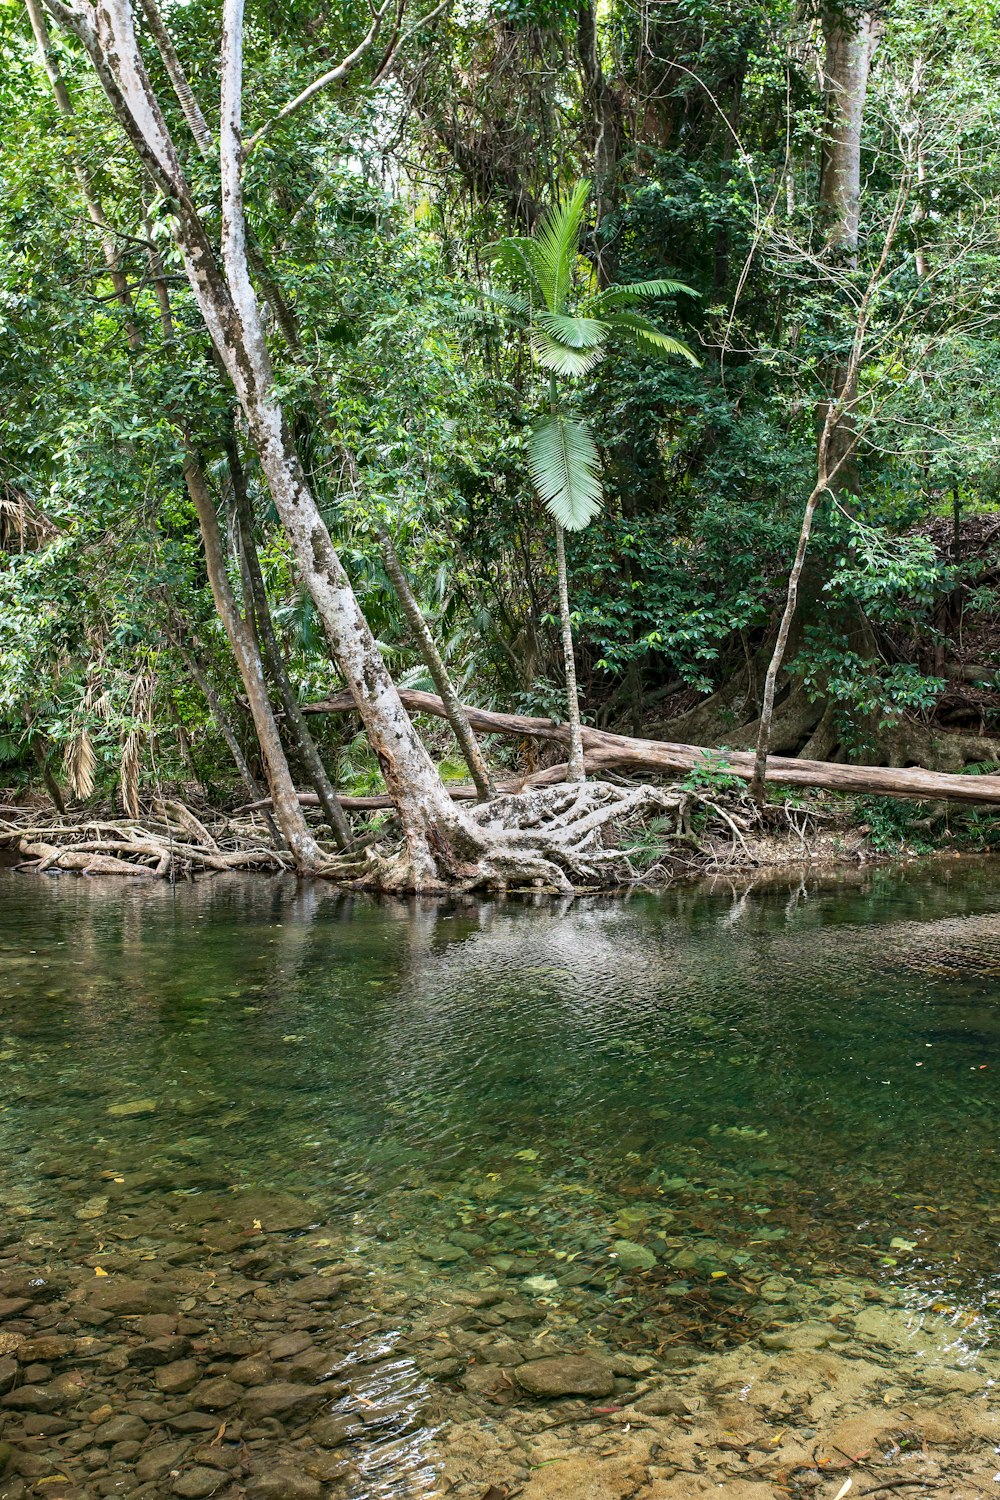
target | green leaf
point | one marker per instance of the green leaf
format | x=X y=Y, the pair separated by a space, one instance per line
x=499 y=306
x=516 y=256
x=647 y=336
x=638 y=291
x=565 y=469
x=556 y=244
x=576 y=333
x=560 y=358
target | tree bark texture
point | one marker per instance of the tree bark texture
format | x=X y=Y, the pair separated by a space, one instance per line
x=849 y=44
x=421 y=631
x=575 y=770
x=294 y=828
x=259 y=610
x=305 y=851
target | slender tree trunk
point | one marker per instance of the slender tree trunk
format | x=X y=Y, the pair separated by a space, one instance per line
x=222 y=719
x=421 y=631
x=190 y=107
x=605 y=117
x=920 y=212
x=850 y=44
x=438 y=837
x=574 y=766
x=781 y=644
x=426 y=644
x=45 y=766
x=305 y=851
x=258 y=608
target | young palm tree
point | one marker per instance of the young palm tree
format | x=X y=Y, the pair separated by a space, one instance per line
x=549 y=294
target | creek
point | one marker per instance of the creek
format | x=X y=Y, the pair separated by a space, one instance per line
x=393 y=1152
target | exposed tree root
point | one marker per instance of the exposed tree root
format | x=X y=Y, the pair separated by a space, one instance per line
x=170 y=843
x=557 y=838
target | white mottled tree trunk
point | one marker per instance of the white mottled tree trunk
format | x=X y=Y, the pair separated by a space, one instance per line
x=437 y=836
x=850 y=41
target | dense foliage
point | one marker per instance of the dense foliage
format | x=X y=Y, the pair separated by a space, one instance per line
x=701 y=126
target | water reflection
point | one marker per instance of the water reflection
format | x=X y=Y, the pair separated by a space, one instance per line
x=795 y=1073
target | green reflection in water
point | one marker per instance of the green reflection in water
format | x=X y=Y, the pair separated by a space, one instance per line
x=729 y=1083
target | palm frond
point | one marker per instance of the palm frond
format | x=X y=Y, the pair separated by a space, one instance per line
x=128 y=772
x=647 y=336
x=557 y=244
x=80 y=763
x=516 y=257
x=560 y=358
x=565 y=469
x=637 y=291
x=576 y=333
x=495 y=297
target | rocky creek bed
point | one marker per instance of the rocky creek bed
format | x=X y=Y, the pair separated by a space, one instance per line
x=253 y=1358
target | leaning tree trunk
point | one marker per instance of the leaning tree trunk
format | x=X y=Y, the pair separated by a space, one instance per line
x=295 y=830
x=222 y=719
x=437 y=837
x=421 y=631
x=305 y=851
x=259 y=611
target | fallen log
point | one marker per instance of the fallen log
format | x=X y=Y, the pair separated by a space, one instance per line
x=458 y=793
x=605 y=751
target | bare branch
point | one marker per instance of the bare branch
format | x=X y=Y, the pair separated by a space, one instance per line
x=346 y=66
x=333 y=76
x=399 y=42
x=78 y=17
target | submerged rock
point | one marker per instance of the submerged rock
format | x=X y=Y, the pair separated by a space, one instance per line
x=283 y=1400
x=33 y=1398
x=443 y=1252
x=125 y=1298
x=664 y=1403
x=198 y=1483
x=122 y=1429
x=633 y=1257
x=566 y=1375
x=156 y=1462
x=284 y=1484
x=800 y=1336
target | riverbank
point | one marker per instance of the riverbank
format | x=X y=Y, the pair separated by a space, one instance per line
x=710 y=829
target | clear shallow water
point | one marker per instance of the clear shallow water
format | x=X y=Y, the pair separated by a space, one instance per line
x=743 y=1084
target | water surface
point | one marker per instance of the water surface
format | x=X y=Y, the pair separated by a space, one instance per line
x=640 y=1113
